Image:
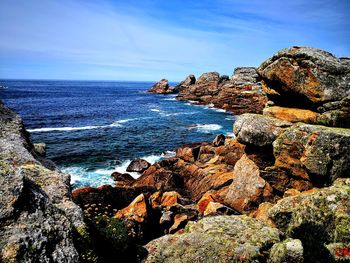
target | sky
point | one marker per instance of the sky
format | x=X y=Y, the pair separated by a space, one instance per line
x=146 y=40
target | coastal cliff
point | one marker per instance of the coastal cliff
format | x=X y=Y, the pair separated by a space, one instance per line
x=276 y=191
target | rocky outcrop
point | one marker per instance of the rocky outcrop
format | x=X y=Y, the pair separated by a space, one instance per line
x=38 y=220
x=162 y=87
x=240 y=94
x=309 y=78
x=186 y=83
x=138 y=166
x=320 y=218
x=215 y=239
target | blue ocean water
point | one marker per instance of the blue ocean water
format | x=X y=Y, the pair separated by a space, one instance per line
x=92 y=128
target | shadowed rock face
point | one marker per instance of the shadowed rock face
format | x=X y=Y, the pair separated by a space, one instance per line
x=38 y=219
x=309 y=78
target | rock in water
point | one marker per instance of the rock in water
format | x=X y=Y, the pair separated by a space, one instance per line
x=186 y=83
x=162 y=87
x=138 y=166
x=217 y=239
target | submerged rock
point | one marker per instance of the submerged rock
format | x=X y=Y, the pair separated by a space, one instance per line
x=215 y=239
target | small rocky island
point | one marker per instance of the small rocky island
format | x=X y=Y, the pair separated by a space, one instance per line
x=278 y=191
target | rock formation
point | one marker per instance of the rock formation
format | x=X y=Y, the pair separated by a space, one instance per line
x=276 y=192
x=162 y=87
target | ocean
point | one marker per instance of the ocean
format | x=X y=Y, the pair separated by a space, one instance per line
x=92 y=128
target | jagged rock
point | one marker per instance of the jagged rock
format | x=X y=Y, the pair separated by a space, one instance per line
x=138 y=166
x=214 y=208
x=320 y=219
x=292 y=114
x=245 y=76
x=218 y=239
x=247 y=189
x=38 y=220
x=180 y=220
x=122 y=179
x=137 y=210
x=188 y=153
x=188 y=81
x=289 y=250
x=257 y=129
x=309 y=78
x=219 y=140
x=162 y=87
x=318 y=153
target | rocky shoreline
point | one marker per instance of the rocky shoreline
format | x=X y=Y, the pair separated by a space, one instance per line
x=278 y=191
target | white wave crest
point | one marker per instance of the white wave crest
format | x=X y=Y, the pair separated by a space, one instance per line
x=206 y=128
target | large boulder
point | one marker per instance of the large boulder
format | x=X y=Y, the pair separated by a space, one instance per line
x=138 y=166
x=38 y=220
x=248 y=189
x=162 y=87
x=320 y=218
x=317 y=153
x=258 y=130
x=309 y=78
x=215 y=239
x=243 y=76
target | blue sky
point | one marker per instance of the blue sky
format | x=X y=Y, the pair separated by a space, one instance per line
x=152 y=39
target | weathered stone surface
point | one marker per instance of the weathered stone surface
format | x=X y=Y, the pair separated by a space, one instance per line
x=138 y=166
x=38 y=220
x=122 y=179
x=215 y=239
x=310 y=72
x=219 y=140
x=309 y=78
x=247 y=189
x=186 y=83
x=290 y=250
x=137 y=210
x=214 y=208
x=320 y=219
x=180 y=220
x=292 y=114
x=40 y=149
x=162 y=87
x=314 y=152
x=245 y=76
x=257 y=129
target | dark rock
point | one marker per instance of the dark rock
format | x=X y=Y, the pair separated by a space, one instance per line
x=219 y=140
x=138 y=166
x=124 y=179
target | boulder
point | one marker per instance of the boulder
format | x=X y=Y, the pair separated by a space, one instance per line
x=258 y=130
x=122 y=179
x=40 y=149
x=137 y=210
x=215 y=208
x=243 y=76
x=292 y=114
x=218 y=239
x=289 y=250
x=138 y=166
x=317 y=153
x=320 y=218
x=309 y=78
x=219 y=140
x=186 y=83
x=162 y=87
x=39 y=222
x=247 y=189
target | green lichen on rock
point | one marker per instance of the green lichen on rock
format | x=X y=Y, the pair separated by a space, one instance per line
x=215 y=239
x=319 y=218
x=289 y=250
